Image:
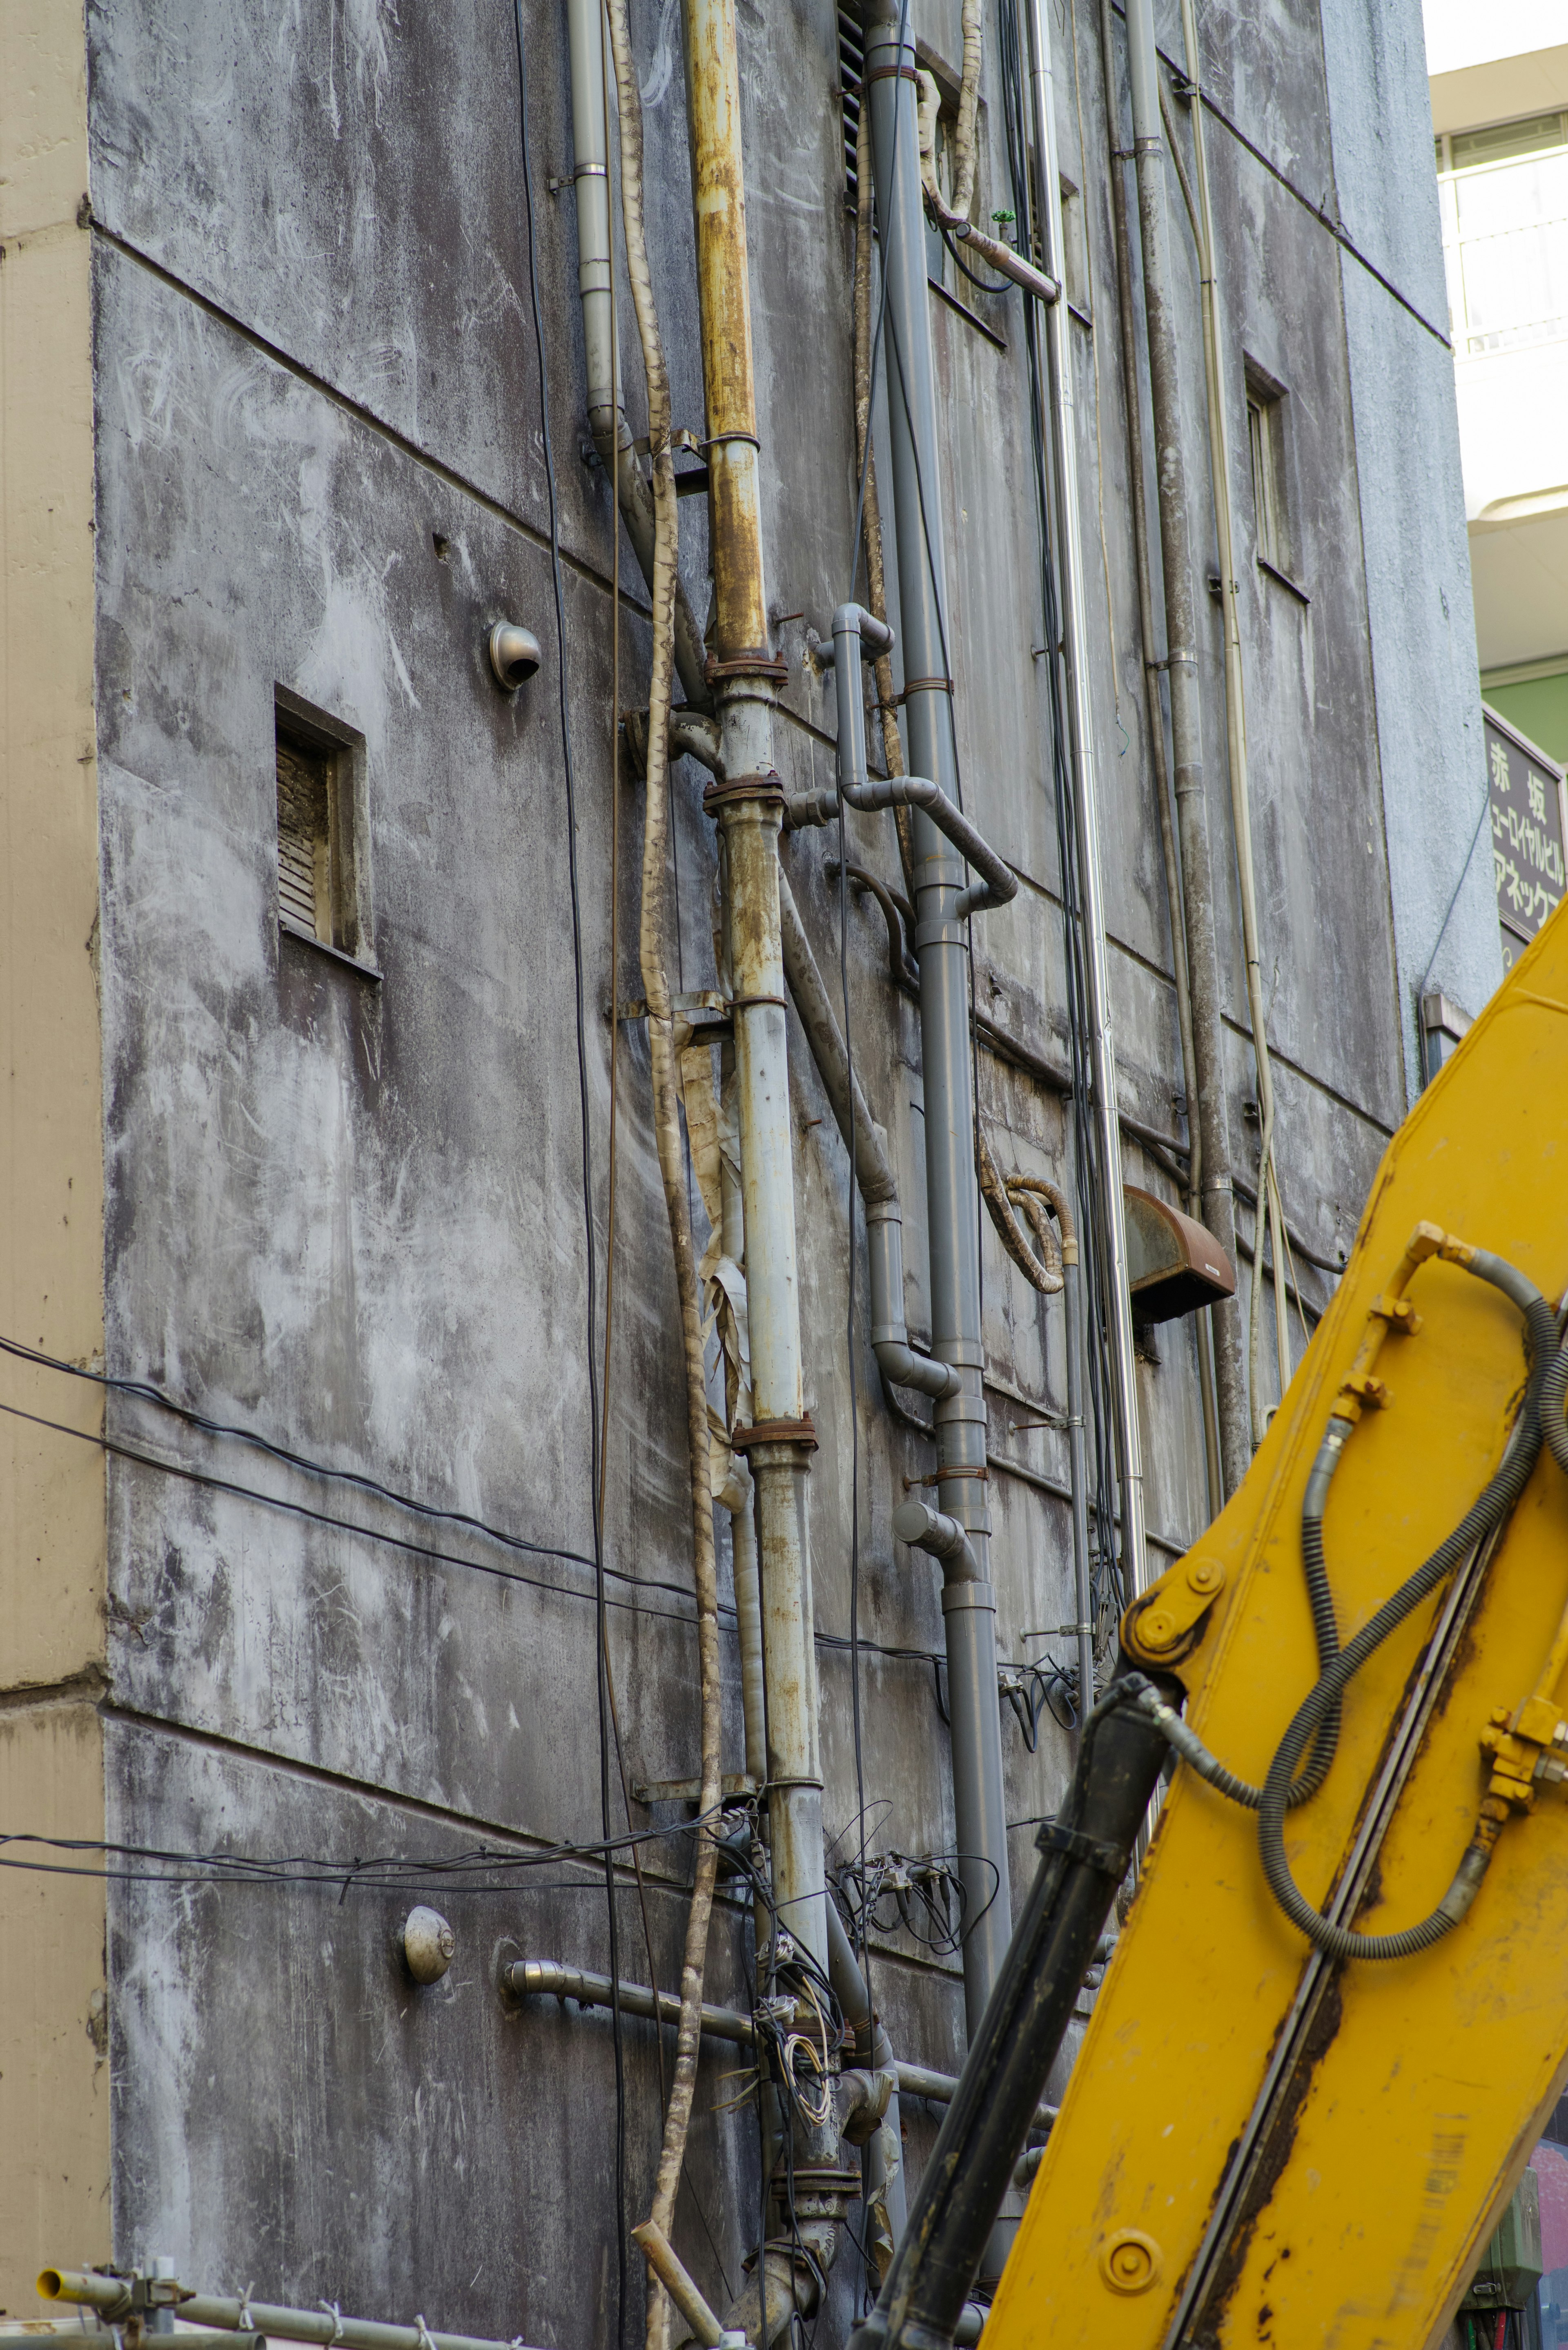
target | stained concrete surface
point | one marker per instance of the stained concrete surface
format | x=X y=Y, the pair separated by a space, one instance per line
x=347 y=1212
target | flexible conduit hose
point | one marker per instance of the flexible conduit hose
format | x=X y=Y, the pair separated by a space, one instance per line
x=1317 y=1720
x=1187 y=1742
x=1553 y=1404
x=671 y=1156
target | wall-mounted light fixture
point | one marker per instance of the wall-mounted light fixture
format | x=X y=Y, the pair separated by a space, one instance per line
x=515 y=655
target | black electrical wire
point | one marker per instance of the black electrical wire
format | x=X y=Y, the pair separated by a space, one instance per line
x=205 y=1481
x=984 y=285
x=145 y=1392
x=592 y=1299
x=383 y=1872
x=230 y=1487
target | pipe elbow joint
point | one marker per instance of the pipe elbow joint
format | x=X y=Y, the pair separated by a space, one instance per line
x=926 y=1529
x=854 y=620
x=805 y=808
x=902 y=1367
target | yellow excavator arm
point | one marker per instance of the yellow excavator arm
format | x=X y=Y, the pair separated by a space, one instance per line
x=1336 y=2018
x=1265 y=2140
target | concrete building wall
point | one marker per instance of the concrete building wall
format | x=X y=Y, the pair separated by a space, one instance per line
x=343 y=1209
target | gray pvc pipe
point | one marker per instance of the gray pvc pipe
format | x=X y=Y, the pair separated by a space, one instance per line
x=941 y=945
x=1073 y=1285
x=873 y=2047
x=884 y=1225
x=607 y=420
x=854 y=629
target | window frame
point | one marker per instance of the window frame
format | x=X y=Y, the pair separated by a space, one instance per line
x=345 y=884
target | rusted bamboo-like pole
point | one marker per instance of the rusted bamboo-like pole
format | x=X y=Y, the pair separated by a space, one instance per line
x=747 y=804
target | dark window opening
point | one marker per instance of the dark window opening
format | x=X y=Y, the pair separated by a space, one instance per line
x=1266 y=446
x=322 y=877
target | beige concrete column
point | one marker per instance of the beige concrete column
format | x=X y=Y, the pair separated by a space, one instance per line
x=54 y=2075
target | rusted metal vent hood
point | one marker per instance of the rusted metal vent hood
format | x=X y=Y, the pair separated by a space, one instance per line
x=1174 y=1263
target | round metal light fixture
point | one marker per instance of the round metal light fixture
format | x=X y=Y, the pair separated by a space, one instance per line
x=429 y=1944
x=515 y=655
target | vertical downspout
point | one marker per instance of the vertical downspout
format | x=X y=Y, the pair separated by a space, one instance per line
x=969 y=1606
x=749 y=805
x=1102 y=1048
x=1187 y=730
x=1078 y=1471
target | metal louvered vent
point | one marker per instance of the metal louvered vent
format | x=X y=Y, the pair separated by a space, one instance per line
x=851 y=78
x=304 y=838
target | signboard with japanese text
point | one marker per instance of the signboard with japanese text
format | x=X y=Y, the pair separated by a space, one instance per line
x=1527 y=834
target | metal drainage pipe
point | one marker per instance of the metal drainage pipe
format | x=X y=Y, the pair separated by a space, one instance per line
x=901 y=1367
x=942 y=946
x=543 y=1978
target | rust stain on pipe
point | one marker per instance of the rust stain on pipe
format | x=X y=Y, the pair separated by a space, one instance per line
x=727 y=378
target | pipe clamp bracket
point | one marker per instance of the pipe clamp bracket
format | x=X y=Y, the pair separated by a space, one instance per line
x=799 y=1432
x=957 y=1596
x=765 y=786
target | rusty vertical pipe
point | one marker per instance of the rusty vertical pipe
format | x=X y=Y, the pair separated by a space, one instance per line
x=749 y=805
x=719 y=195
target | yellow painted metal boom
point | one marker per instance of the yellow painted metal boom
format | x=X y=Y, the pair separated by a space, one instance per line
x=1260 y=2145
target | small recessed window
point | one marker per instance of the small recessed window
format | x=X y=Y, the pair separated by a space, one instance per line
x=322 y=866
x=1266 y=442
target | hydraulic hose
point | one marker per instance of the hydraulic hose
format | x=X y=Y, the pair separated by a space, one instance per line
x=1553 y=1405
x=1493 y=1505
x=1186 y=1741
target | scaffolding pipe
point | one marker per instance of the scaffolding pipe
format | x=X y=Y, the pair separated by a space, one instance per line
x=942 y=946
x=749 y=804
x=1058 y=374
x=606 y=414
x=1210 y=1117
x=113 y=2297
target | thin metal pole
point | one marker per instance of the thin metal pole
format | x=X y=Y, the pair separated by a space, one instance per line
x=1081 y=735
x=1083 y=1591
x=1240 y=808
x=1186 y=729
